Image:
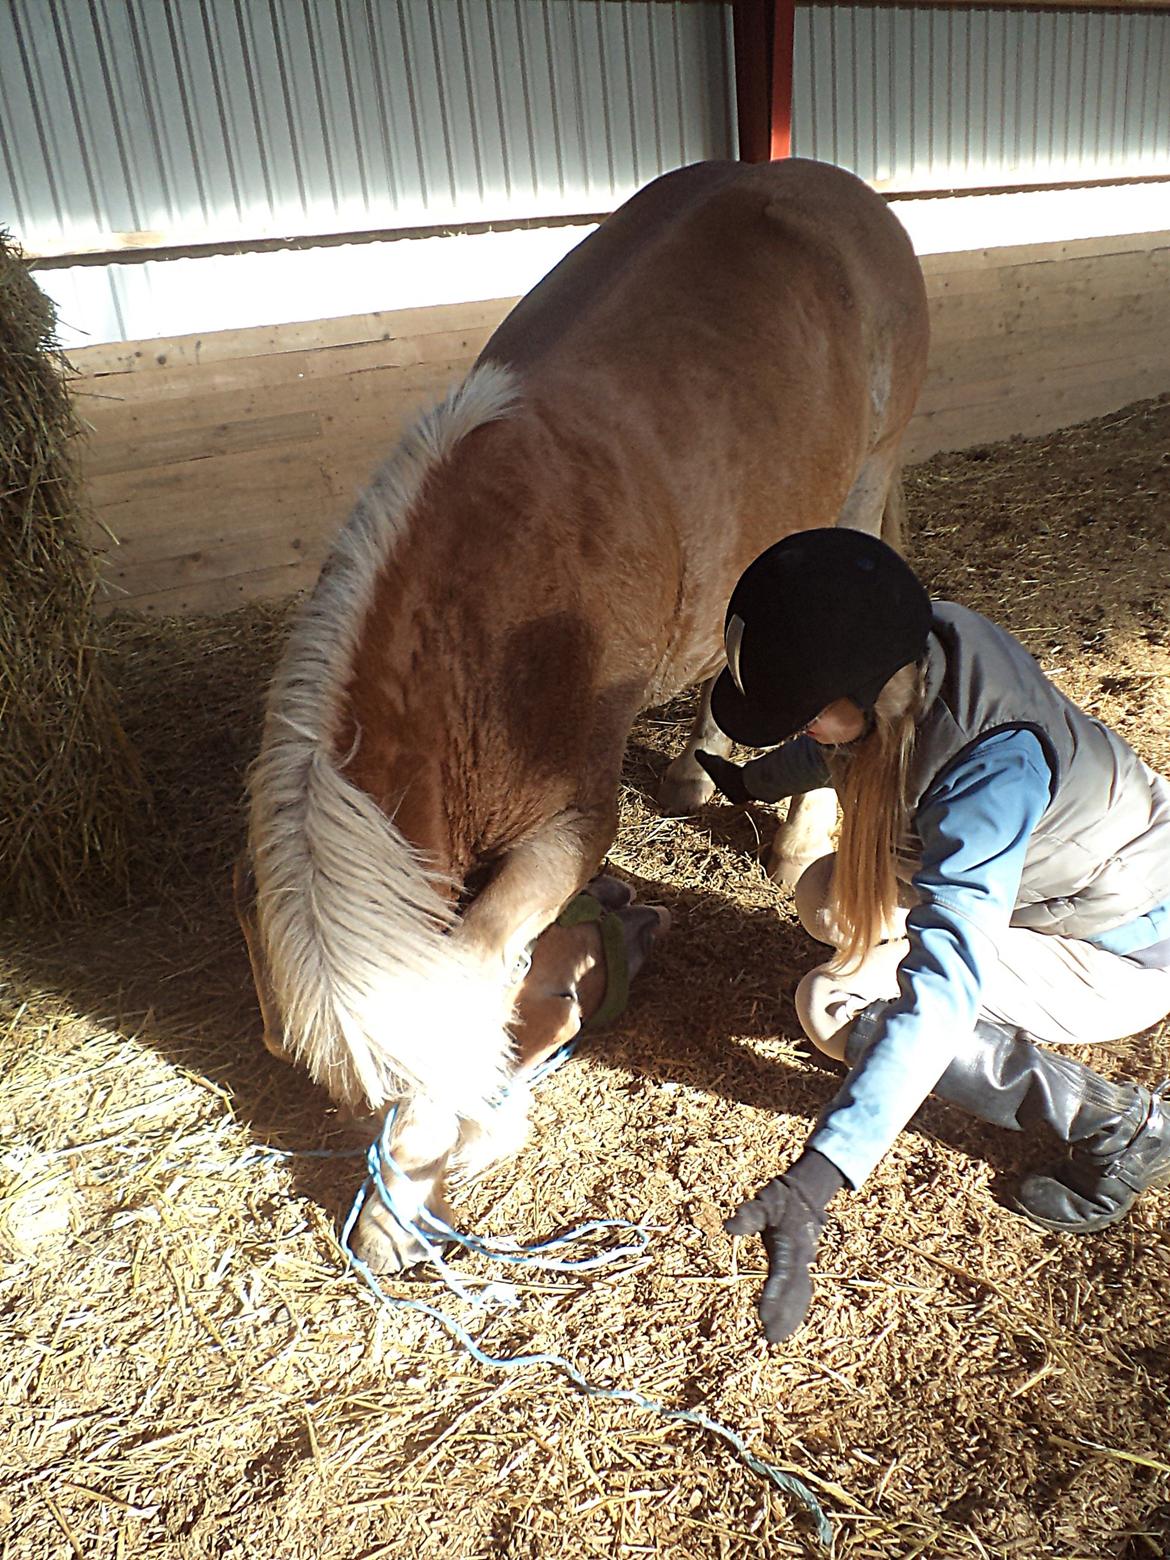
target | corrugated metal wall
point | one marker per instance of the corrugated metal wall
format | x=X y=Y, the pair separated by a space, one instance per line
x=183 y=122
x=217 y=120
x=935 y=98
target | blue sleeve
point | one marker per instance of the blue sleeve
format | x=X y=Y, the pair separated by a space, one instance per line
x=974 y=824
x=789 y=770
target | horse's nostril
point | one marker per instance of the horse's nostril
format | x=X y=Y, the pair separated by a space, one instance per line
x=642 y=926
x=610 y=892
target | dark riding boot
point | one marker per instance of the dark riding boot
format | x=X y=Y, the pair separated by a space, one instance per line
x=1118 y=1133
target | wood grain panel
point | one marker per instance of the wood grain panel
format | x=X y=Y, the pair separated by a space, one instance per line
x=201 y=441
x=260 y=341
x=106 y=392
x=226 y=594
x=185 y=498
x=226 y=463
x=1024 y=411
x=967 y=373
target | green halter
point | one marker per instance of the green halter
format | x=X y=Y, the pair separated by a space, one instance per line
x=577 y=912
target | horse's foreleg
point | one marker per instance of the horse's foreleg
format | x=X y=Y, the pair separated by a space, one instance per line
x=531 y=885
x=685 y=785
x=804 y=837
x=423 y=1135
x=527 y=892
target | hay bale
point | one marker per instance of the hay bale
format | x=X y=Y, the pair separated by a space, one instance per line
x=69 y=783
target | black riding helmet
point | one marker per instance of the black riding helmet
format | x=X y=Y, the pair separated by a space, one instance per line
x=822 y=615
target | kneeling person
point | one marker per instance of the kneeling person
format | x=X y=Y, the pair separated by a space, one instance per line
x=1002 y=885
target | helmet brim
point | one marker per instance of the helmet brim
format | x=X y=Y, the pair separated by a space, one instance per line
x=746 y=724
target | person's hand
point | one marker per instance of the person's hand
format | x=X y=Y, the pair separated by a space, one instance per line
x=727 y=776
x=788 y=1214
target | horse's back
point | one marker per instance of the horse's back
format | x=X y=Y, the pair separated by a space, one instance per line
x=711 y=256
x=714 y=366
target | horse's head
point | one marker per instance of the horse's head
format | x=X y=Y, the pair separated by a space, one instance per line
x=578 y=974
x=579 y=968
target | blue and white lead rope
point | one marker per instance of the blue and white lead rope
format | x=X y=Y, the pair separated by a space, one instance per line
x=537 y=1255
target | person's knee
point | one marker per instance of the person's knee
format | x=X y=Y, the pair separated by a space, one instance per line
x=817 y=1000
x=813 y=897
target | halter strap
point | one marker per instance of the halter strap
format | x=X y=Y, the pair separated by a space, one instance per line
x=578 y=912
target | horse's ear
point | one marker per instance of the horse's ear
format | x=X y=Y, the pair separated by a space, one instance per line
x=244 y=895
x=243 y=882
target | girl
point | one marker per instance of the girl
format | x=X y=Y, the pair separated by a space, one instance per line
x=1002 y=884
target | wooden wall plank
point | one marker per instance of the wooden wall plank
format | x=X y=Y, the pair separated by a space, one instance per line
x=100 y=393
x=199 y=441
x=298 y=521
x=1104 y=275
x=1026 y=412
x=132 y=357
x=226 y=594
x=180 y=498
x=956 y=320
x=964 y=374
x=225 y=555
x=1011 y=255
x=226 y=463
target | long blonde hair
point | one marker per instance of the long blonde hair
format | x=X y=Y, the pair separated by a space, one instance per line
x=870 y=778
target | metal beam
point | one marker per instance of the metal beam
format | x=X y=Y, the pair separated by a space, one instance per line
x=763 y=40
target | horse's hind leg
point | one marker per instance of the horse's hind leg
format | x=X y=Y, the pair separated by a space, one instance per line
x=804 y=837
x=874 y=503
x=686 y=786
x=894 y=514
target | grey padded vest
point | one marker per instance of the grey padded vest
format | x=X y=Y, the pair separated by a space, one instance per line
x=1100 y=855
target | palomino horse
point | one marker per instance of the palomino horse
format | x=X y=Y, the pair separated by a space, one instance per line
x=731 y=356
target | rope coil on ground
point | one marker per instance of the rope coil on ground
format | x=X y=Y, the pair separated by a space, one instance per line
x=535 y=1254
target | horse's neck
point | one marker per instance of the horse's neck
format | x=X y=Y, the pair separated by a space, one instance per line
x=403 y=781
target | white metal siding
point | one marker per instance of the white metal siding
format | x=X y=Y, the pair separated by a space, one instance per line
x=225 y=121
x=221 y=120
x=935 y=98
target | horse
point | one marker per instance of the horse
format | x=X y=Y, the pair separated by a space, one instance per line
x=731 y=356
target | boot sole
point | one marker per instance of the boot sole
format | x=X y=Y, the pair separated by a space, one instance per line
x=1089 y=1227
x=1154 y=1179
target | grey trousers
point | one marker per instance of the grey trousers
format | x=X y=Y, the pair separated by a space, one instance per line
x=1059 y=989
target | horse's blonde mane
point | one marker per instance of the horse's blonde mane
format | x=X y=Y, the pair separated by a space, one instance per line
x=375 y=999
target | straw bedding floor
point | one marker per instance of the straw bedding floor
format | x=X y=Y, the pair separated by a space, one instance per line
x=187 y=1369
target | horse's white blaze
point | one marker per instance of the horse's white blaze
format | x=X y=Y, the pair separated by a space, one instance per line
x=375 y=997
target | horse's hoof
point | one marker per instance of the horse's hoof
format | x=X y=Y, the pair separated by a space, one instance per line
x=378 y=1240
x=610 y=892
x=787 y=870
x=686 y=792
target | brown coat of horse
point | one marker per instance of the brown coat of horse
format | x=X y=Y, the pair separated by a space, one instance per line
x=731 y=356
